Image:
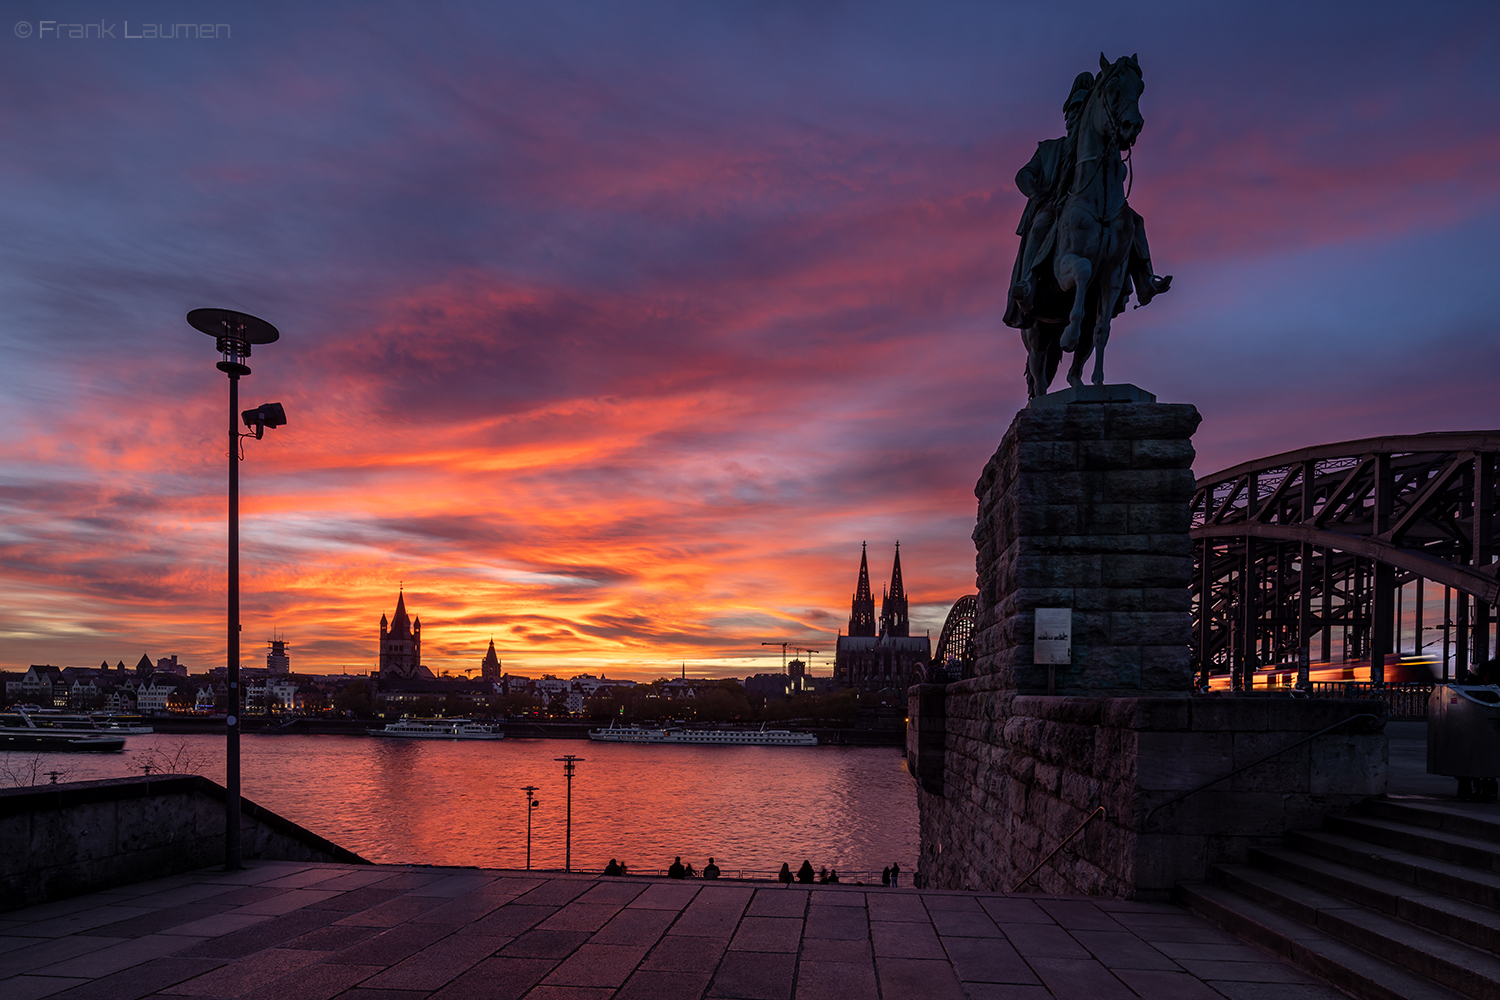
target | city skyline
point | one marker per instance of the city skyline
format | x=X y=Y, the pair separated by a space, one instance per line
x=613 y=334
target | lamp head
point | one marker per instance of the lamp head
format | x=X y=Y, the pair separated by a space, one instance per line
x=233 y=333
x=263 y=416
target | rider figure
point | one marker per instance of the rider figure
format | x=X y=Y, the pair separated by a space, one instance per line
x=1043 y=182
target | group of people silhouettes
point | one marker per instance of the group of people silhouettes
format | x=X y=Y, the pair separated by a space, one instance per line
x=805 y=875
x=680 y=870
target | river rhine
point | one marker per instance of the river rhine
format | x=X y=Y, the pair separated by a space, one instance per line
x=460 y=803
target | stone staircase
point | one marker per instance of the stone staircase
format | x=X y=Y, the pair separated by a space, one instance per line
x=1400 y=899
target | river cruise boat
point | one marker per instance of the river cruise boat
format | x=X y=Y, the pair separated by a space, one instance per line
x=21 y=730
x=761 y=737
x=132 y=725
x=438 y=729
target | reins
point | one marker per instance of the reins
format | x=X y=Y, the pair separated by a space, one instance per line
x=1114 y=137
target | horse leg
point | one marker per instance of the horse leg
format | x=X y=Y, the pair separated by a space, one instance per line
x=1075 y=370
x=1073 y=272
x=1109 y=294
x=1054 y=352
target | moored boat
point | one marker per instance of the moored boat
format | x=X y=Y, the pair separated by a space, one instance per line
x=133 y=725
x=438 y=729
x=20 y=730
x=761 y=737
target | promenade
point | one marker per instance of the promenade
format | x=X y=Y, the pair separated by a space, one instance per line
x=285 y=931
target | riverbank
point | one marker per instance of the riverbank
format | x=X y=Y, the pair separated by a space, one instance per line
x=513 y=728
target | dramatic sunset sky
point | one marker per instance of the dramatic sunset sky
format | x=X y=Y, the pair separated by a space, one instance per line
x=613 y=329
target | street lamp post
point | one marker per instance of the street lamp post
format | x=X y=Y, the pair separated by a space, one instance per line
x=531 y=803
x=234 y=333
x=569 y=761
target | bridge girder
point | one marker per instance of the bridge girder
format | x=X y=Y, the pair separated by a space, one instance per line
x=1377 y=513
x=958 y=632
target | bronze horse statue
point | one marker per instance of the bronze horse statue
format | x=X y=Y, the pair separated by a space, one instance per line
x=1082 y=269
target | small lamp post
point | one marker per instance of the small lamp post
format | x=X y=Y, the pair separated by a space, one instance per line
x=569 y=761
x=234 y=333
x=531 y=803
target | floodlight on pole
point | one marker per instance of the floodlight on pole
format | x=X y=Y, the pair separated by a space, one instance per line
x=234 y=334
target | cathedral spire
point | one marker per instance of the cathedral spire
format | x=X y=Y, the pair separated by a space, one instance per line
x=898 y=593
x=894 y=620
x=490 y=665
x=862 y=610
x=400 y=622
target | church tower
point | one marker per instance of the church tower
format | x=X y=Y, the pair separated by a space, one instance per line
x=862 y=613
x=400 y=643
x=489 y=667
x=894 y=620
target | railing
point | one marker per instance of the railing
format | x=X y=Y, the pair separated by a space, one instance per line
x=1098 y=811
x=850 y=877
x=1408 y=702
x=1146 y=823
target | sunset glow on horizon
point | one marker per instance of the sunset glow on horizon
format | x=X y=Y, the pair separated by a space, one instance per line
x=611 y=335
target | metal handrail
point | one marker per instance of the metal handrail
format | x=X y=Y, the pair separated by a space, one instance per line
x=1145 y=823
x=847 y=877
x=1098 y=811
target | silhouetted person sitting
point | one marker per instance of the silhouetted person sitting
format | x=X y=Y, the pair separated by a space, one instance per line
x=785 y=878
x=689 y=873
x=710 y=870
x=677 y=871
x=833 y=877
x=613 y=868
x=885 y=875
x=805 y=873
x=822 y=876
x=895 y=873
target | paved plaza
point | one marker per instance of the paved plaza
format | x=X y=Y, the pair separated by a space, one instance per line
x=317 y=931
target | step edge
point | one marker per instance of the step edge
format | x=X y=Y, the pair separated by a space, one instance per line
x=1398 y=890
x=1302 y=951
x=1406 y=944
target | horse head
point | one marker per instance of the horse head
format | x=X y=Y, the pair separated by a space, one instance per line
x=1116 y=97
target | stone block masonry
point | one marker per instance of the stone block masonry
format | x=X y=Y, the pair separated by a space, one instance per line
x=1022 y=771
x=1085 y=505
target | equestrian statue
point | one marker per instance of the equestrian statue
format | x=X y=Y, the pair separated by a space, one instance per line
x=1083 y=248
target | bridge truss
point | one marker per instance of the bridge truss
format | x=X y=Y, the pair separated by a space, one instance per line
x=956 y=639
x=1298 y=549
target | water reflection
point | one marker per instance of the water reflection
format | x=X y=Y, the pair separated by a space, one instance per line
x=450 y=803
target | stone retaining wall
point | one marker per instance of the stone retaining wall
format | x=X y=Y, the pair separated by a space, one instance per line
x=1021 y=772
x=62 y=840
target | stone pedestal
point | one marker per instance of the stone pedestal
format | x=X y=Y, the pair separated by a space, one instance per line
x=1085 y=505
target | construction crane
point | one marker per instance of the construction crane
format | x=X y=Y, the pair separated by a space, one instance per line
x=796 y=649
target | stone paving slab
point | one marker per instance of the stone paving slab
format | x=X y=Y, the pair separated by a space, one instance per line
x=286 y=931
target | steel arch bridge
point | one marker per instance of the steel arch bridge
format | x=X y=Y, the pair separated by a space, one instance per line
x=956 y=639
x=1292 y=548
